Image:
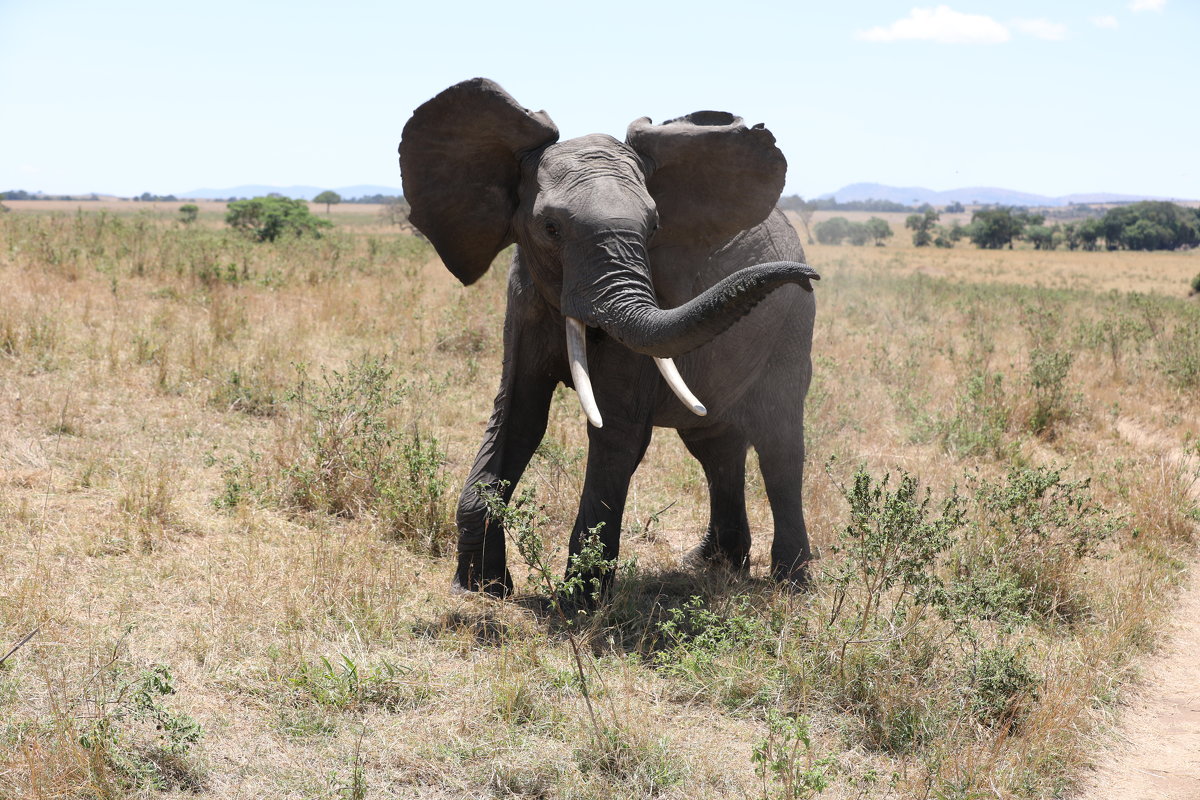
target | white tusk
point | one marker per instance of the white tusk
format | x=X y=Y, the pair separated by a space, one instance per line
x=667 y=367
x=577 y=356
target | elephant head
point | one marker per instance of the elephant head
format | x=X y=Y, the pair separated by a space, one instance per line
x=481 y=172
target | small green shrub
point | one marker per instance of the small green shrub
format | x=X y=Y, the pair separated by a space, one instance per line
x=785 y=760
x=1003 y=686
x=723 y=653
x=1036 y=527
x=1179 y=354
x=120 y=736
x=1194 y=286
x=349 y=460
x=345 y=686
x=188 y=212
x=1048 y=371
x=980 y=418
x=890 y=549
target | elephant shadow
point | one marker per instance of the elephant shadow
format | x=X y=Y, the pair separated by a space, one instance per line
x=628 y=622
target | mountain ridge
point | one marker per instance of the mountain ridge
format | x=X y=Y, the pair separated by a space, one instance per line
x=297 y=192
x=975 y=195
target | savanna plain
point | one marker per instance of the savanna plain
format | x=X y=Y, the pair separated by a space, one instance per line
x=228 y=473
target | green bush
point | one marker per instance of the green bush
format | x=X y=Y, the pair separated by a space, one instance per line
x=1048 y=371
x=1003 y=686
x=889 y=551
x=120 y=736
x=980 y=418
x=266 y=219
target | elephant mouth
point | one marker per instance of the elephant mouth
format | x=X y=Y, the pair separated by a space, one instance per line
x=577 y=358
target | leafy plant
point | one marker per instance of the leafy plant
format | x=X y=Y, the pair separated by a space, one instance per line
x=1038 y=527
x=350 y=460
x=1048 y=370
x=980 y=418
x=890 y=549
x=1003 y=686
x=346 y=686
x=119 y=737
x=785 y=760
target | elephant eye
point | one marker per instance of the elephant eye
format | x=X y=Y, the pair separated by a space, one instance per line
x=551 y=230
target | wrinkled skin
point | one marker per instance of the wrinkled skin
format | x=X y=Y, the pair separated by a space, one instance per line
x=665 y=245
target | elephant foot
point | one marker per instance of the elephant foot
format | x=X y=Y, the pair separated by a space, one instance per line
x=470 y=576
x=795 y=578
x=584 y=591
x=708 y=556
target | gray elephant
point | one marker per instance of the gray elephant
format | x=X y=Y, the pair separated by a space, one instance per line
x=630 y=254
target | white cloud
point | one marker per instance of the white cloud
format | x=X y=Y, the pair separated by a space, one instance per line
x=1105 y=22
x=943 y=25
x=1147 y=5
x=1041 y=29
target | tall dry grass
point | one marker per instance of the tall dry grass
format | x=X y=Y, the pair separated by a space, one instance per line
x=227 y=472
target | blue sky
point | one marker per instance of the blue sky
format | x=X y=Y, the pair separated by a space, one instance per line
x=127 y=96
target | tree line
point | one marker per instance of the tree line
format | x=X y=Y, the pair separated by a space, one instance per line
x=1146 y=225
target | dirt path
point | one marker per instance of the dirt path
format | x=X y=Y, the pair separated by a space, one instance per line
x=1156 y=752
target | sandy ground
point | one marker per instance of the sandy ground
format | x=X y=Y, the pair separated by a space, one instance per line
x=1155 y=754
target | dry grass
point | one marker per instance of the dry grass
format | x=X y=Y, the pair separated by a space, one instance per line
x=155 y=454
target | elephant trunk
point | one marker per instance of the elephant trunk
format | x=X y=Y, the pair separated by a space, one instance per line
x=618 y=296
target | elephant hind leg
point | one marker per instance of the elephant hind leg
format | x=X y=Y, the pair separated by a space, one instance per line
x=722 y=454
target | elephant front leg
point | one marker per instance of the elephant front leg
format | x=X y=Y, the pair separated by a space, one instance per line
x=514 y=432
x=614 y=452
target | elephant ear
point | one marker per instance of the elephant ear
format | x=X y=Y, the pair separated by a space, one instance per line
x=460 y=165
x=711 y=175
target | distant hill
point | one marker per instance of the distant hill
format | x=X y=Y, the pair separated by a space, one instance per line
x=297 y=192
x=916 y=195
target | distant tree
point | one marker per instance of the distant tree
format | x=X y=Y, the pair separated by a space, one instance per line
x=922 y=227
x=1089 y=232
x=957 y=232
x=994 y=228
x=1151 y=225
x=267 y=218
x=395 y=212
x=1195 y=286
x=879 y=229
x=188 y=213
x=1070 y=234
x=329 y=198
x=1043 y=237
x=832 y=230
x=955 y=208
x=858 y=233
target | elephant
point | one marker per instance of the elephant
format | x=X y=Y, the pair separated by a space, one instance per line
x=657 y=278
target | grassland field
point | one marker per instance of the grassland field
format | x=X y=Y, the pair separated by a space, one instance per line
x=228 y=474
